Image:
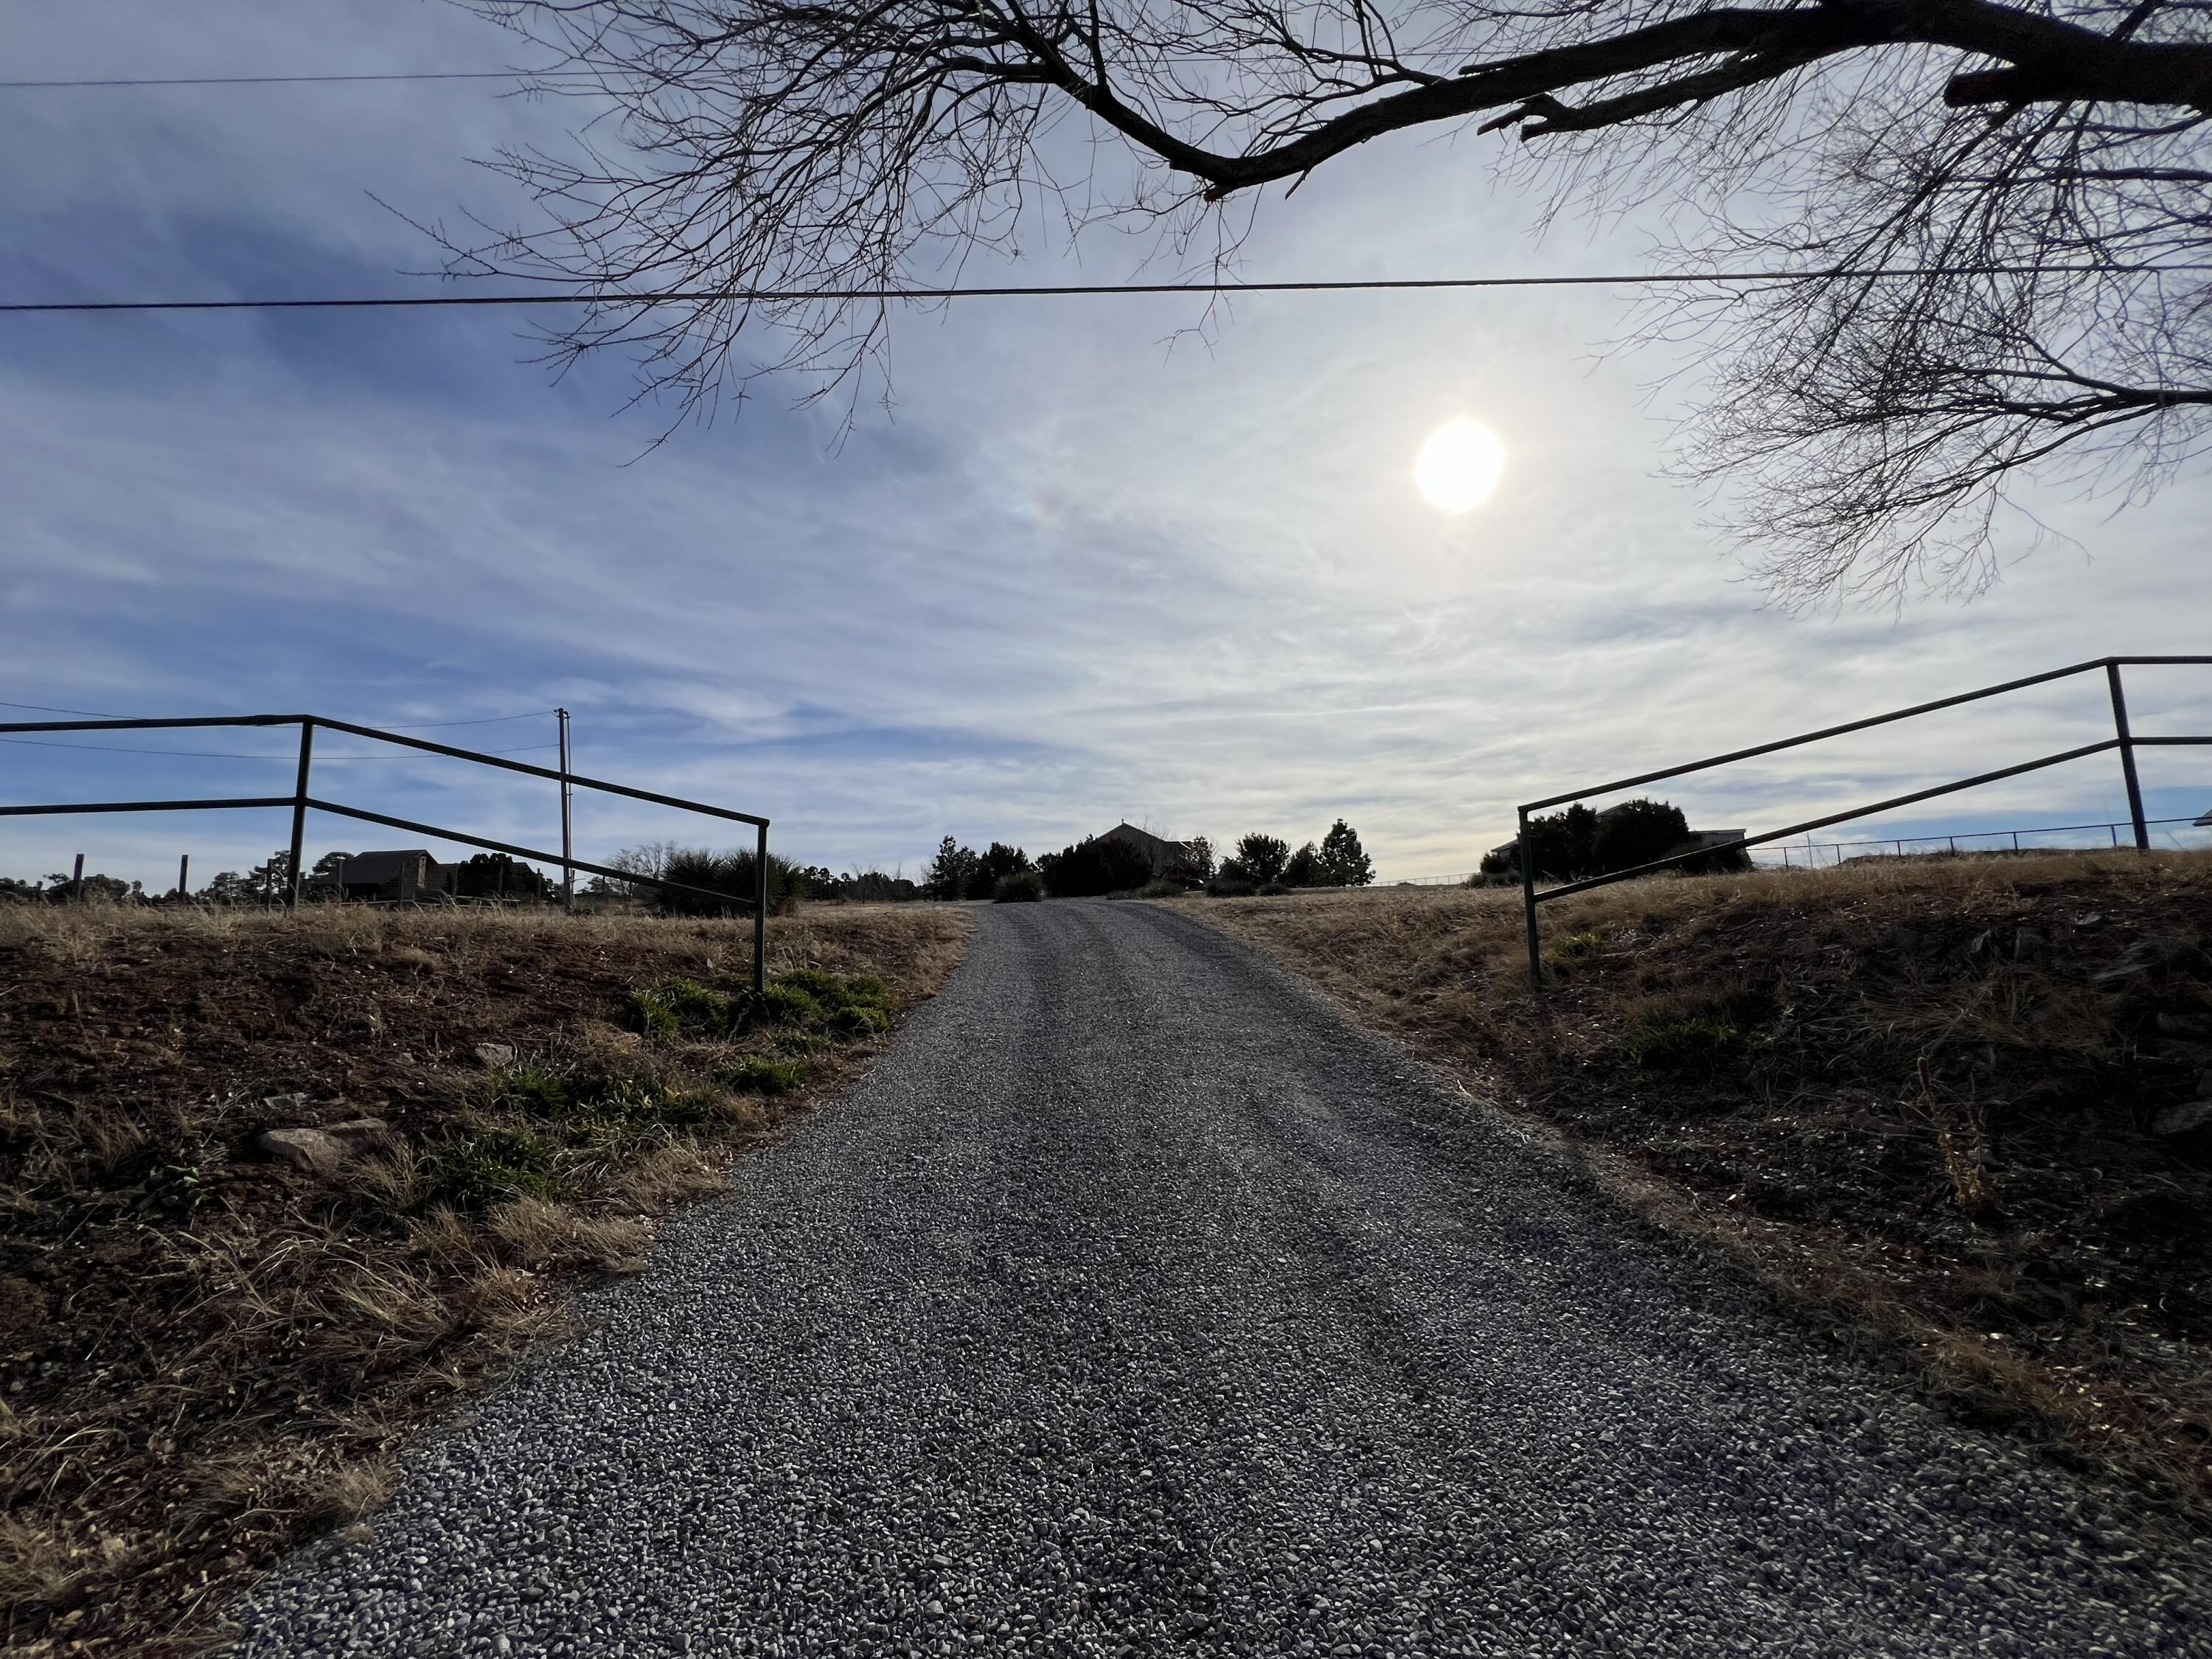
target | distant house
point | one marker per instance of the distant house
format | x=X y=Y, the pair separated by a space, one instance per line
x=1172 y=860
x=408 y=873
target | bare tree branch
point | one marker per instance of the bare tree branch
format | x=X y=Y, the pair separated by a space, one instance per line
x=1863 y=429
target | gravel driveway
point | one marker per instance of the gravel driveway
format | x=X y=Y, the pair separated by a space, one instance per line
x=1137 y=1303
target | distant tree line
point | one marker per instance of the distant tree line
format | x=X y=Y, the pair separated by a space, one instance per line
x=962 y=872
x=1262 y=861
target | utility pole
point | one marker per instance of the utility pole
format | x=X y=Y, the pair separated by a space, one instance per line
x=568 y=845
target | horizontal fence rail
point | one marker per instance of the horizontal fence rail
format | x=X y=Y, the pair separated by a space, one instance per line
x=2123 y=740
x=1948 y=842
x=302 y=802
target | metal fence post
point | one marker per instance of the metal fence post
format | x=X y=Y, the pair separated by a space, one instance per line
x=1529 y=906
x=568 y=843
x=2127 y=756
x=760 y=910
x=183 y=874
x=76 y=881
x=299 y=809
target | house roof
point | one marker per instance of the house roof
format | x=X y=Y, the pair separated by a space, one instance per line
x=1125 y=831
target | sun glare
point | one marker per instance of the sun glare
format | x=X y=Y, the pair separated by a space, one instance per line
x=1459 y=465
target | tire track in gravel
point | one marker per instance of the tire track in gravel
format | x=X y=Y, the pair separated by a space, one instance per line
x=1135 y=1303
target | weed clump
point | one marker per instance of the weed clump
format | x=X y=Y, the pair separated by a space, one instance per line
x=682 y=1007
x=1573 y=950
x=1662 y=1044
x=783 y=1004
x=533 y=1091
x=758 y=1074
x=808 y=998
x=644 y=1012
x=473 y=1171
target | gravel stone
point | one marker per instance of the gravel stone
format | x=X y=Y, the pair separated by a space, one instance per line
x=1135 y=1303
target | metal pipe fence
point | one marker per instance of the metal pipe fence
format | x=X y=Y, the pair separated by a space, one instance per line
x=2123 y=741
x=301 y=801
x=1807 y=854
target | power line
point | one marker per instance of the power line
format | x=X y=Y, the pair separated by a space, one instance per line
x=420 y=726
x=487 y=720
x=216 y=754
x=1071 y=290
x=297 y=79
x=44 y=708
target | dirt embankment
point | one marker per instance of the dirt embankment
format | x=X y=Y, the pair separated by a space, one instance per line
x=211 y=1353
x=1945 y=1105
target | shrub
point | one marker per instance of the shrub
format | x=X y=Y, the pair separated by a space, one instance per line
x=725 y=880
x=998 y=863
x=758 y=1074
x=1272 y=888
x=1228 y=885
x=1093 y=868
x=1023 y=887
x=1162 y=888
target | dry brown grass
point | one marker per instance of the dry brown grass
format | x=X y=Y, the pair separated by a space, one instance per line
x=208 y=1357
x=1916 y=1097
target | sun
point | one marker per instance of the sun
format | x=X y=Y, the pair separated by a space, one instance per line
x=1459 y=465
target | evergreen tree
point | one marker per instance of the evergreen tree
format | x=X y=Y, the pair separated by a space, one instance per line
x=951 y=871
x=1262 y=858
x=1344 y=861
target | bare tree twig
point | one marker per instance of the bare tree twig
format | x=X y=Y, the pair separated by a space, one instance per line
x=1862 y=431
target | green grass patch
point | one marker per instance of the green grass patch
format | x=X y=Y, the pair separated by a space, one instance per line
x=1572 y=952
x=643 y=1012
x=758 y=1074
x=683 y=1007
x=473 y=1171
x=791 y=1005
x=1679 y=1044
x=533 y=1090
x=809 y=999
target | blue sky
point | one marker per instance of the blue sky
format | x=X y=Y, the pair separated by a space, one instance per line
x=1087 y=567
